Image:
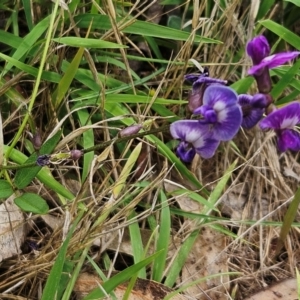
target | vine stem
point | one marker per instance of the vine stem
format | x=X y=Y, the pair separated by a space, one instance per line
x=97 y=147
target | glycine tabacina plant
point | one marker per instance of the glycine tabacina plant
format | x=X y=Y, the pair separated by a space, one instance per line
x=221 y=112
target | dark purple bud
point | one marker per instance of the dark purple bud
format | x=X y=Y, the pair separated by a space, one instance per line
x=258 y=48
x=36 y=141
x=75 y=154
x=43 y=160
x=130 y=130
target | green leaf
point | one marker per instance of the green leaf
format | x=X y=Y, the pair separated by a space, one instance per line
x=26 y=175
x=5 y=189
x=87 y=43
x=32 y=203
x=138 y=27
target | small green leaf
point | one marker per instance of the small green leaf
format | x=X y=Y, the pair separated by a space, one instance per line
x=5 y=189
x=32 y=203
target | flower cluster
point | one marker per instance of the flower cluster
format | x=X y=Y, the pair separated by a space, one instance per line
x=219 y=112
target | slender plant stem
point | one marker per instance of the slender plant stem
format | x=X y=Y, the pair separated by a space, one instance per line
x=97 y=147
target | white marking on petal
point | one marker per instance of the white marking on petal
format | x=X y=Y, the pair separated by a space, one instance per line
x=289 y=122
x=219 y=106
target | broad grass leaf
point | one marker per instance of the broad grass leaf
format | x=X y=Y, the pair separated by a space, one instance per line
x=5 y=189
x=26 y=175
x=32 y=203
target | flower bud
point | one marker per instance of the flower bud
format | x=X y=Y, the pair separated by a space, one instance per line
x=130 y=130
x=75 y=154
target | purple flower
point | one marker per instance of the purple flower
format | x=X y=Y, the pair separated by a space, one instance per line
x=258 y=49
x=200 y=83
x=221 y=120
x=43 y=160
x=283 y=121
x=253 y=108
x=220 y=109
x=195 y=138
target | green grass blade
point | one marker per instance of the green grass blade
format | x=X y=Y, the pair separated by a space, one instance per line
x=137 y=244
x=87 y=43
x=29 y=41
x=87 y=141
x=282 y=32
x=288 y=219
x=52 y=284
x=140 y=28
x=65 y=82
x=163 y=239
x=118 y=279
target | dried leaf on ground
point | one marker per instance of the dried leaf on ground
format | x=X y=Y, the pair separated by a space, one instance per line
x=286 y=289
x=12 y=229
x=143 y=290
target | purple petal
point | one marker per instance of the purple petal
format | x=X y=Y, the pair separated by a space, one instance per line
x=229 y=122
x=288 y=140
x=185 y=152
x=188 y=130
x=219 y=97
x=283 y=118
x=208 y=113
x=252 y=108
x=252 y=117
x=206 y=146
x=258 y=48
x=194 y=77
x=273 y=61
x=223 y=100
x=279 y=59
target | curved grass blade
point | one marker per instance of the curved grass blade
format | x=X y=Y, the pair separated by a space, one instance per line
x=140 y=28
x=118 y=279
